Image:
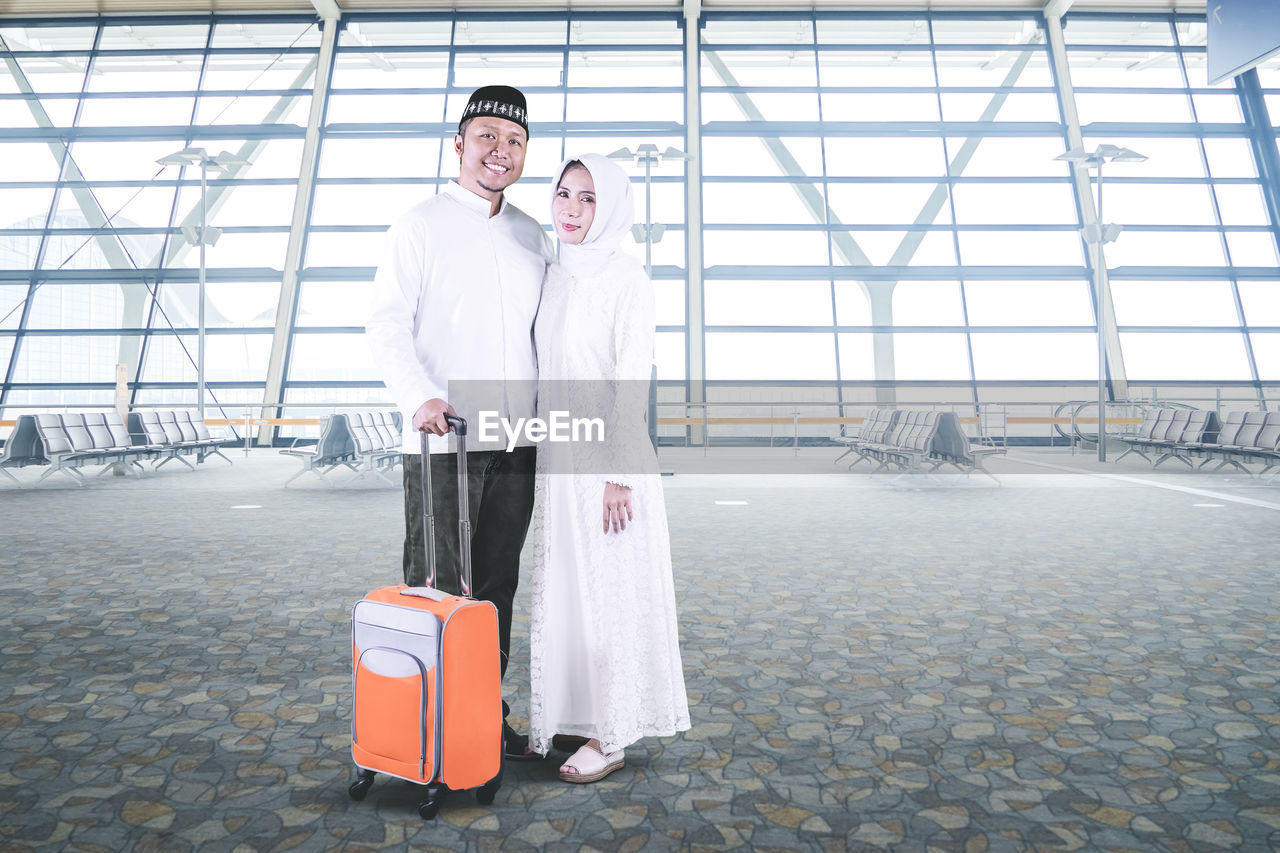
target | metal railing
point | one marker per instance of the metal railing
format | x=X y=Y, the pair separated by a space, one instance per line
x=991 y=422
x=788 y=422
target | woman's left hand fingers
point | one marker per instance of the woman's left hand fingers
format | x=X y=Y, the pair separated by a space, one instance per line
x=614 y=520
x=617 y=508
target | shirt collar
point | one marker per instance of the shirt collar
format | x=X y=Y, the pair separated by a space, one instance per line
x=473 y=202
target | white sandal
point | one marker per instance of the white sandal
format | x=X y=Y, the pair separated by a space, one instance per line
x=591 y=765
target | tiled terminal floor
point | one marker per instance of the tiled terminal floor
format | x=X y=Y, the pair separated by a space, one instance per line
x=1068 y=662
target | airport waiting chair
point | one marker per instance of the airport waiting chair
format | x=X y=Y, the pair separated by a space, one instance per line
x=1169 y=432
x=147 y=430
x=1200 y=424
x=332 y=450
x=381 y=423
x=1265 y=447
x=209 y=444
x=1226 y=434
x=58 y=447
x=182 y=444
x=22 y=448
x=882 y=451
x=873 y=422
x=134 y=452
x=917 y=445
x=186 y=430
x=117 y=449
x=1235 y=453
x=189 y=426
x=370 y=445
x=1150 y=418
x=93 y=441
x=1139 y=444
x=952 y=447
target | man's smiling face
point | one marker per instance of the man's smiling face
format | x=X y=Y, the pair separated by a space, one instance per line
x=492 y=152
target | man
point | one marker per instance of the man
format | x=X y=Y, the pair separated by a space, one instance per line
x=454 y=304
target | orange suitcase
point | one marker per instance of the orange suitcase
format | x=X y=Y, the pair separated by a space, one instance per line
x=426 y=678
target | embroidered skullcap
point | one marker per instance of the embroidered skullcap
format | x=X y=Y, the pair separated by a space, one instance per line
x=499 y=102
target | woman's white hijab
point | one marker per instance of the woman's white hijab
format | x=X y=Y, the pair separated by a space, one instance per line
x=615 y=213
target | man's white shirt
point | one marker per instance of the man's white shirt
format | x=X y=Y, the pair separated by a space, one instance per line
x=454 y=301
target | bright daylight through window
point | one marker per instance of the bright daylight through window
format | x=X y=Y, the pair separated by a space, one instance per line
x=878 y=198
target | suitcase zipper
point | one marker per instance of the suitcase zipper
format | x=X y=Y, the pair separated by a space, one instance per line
x=397 y=630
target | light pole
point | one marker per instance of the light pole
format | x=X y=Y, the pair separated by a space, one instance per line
x=648 y=154
x=1097 y=234
x=204 y=236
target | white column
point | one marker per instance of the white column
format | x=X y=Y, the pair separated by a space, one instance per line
x=694 y=342
x=1088 y=210
x=274 y=393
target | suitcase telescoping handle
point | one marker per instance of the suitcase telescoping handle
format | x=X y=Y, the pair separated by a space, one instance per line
x=459 y=427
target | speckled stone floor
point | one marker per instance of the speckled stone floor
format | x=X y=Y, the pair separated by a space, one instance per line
x=1085 y=658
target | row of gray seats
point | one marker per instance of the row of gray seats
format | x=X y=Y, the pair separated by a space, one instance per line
x=174 y=435
x=1242 y=439
x=366 y=442
x=909 y=439
x=67 y=443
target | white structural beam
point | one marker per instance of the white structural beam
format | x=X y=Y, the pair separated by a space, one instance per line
x=1057 y=8
x=695 y=339
x=1088 y=210
x=68 y=7
x=273 y=394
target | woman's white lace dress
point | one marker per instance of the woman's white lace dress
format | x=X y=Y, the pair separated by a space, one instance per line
x=604 y=656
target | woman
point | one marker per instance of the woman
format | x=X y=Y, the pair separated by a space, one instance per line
x=604 y=657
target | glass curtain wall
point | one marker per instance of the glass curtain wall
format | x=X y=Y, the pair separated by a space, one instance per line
x=882 y=205
x=593 y=83
x=1196 y=261
x=95 y=266
x=880 y=201
x=1262 y=308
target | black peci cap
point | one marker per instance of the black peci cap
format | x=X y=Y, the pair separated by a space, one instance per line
x=499 y=102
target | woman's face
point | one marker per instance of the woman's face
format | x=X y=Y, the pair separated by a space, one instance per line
x=574 y=207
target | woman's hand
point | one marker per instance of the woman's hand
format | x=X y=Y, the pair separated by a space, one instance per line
x=617 y=507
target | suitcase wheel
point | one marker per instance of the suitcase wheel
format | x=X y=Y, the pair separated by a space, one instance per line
x=486 y=792
x=429 y=807
x=361 y=786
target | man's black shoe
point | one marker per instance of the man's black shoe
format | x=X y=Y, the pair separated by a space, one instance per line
x=515 y=747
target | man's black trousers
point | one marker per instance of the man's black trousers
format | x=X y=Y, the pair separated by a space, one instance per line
x=500 y=490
